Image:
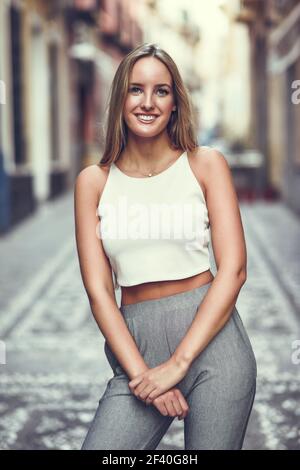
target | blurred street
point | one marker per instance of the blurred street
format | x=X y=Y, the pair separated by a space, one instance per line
x=56 y=370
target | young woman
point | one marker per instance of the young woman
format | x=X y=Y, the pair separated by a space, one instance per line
x=176 y=345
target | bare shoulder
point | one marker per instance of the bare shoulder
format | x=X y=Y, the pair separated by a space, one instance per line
x=92 y=179
x=207 y=162
x=202 y=159
x=209 y=157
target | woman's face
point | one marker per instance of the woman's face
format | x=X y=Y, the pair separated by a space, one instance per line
x=149 y=93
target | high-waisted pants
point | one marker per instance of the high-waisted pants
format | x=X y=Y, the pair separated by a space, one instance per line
x=219 y=387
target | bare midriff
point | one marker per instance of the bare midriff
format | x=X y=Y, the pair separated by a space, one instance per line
x=158 y=289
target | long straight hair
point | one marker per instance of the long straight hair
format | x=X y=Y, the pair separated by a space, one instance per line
x=181 y=127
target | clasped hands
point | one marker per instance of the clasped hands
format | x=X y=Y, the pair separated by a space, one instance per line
x=156 y=386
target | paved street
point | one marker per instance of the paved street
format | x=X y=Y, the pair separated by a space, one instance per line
x=55 y=367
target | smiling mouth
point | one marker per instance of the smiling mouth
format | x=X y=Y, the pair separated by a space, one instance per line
x=146 y=119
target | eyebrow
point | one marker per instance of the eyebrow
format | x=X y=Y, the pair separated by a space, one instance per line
x=159 y=84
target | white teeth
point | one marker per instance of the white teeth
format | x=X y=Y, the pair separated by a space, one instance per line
x=146 y=118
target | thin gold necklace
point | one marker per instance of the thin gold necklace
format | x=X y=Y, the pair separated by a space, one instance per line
x=153 y=172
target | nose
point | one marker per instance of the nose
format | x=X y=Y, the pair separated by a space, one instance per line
x=147 y=101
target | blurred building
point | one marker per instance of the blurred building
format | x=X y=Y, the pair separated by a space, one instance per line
x=57 y=62
x=173 y=27
x=238 y=58
x=234 y=79
x=274 y=32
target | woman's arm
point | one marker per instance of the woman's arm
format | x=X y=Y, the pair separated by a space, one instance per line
x=96 y=271
x=229 y=247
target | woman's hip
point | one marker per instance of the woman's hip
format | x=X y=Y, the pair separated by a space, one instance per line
x=159 y=325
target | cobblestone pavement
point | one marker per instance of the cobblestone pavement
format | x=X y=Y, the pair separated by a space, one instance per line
x=55 y=367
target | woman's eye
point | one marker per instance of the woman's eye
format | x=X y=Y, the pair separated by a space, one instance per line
x=135 y=88
x=162 y=89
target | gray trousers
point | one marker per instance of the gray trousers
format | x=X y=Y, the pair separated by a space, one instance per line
x=219 y=387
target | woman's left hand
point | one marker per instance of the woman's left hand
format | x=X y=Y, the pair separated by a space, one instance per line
x=152 y=383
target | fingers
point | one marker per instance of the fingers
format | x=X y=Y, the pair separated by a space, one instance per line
x=159 y=403
x=174 y=406
x=183 y=404
x=145 y=393
x=172 y=403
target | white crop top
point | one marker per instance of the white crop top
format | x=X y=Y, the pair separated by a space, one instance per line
x=154 y=228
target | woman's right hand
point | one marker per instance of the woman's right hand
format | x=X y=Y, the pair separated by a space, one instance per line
x=171 y=403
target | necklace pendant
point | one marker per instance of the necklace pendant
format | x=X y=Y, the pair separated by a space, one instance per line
x=150 y=174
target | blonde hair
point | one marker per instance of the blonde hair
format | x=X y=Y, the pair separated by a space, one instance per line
x=182 y=124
